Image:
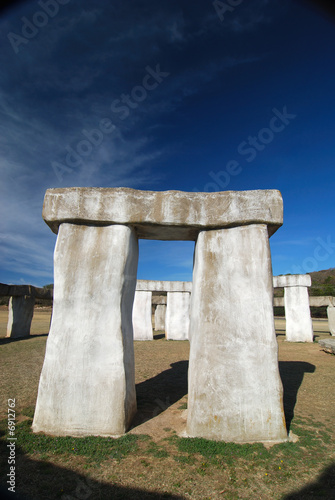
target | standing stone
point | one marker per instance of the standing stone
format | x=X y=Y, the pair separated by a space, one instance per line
x=177 y=315
x=87 y=384
x=160 y=314
x=235 y=391
x=142 y=317
x=299 y=326
x=331 y=319
x=20 y=315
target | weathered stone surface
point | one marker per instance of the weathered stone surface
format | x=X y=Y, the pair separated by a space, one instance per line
x=321 y=301
x=292 y=280
x=165 y=215
x=160 y=314
x=313 y=301
x=328 y=345
x=142 y=322
x=20 y=315
x=299 y=327
x=159 y=299
x=89 y=359
x=177 y=315
x=331 y=319
x=164 y=286
x=25 y=290
x=235 y=391
x=87 y=384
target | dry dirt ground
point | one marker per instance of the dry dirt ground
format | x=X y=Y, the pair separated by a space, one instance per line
x=308 y=378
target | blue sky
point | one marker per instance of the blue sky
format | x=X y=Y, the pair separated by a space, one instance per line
x=167 y=95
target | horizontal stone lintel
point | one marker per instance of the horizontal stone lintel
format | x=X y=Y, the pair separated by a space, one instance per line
x=292 y=280
x=163 y=286
x=313 y=301
x=25 y=290
x=163 y=215
x=322 y=301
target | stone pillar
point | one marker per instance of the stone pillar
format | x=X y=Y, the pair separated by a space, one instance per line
x=331 y=319
x=20 y=315
x=299 y=326
x=142 y=317
x=235 y=391
x=87 y=384
x=160 y=314
x=177 y=315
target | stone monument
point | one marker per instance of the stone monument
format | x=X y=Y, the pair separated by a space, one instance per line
x=87 y=382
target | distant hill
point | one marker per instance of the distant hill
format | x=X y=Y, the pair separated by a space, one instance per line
x=323 y=282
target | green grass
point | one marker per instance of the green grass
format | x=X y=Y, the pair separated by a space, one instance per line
x=310 y=447
x=195 y=459
x=93 y=447
x=182 y=406
x=156 y=451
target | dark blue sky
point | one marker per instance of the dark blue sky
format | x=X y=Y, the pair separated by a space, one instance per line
x=167 y=95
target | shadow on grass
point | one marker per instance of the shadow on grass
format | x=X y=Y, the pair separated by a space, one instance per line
x=9 y=340
x=158 y=393
x=38 y=480
x=292 y=374
x=323 y=487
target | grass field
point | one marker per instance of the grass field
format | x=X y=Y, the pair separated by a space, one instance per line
x=151 y=461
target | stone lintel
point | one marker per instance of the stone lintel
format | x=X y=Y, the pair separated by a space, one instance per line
x=313 y=301
x=163 y=215
x=321 y=301
x=25 y=291
x=292 y=280
x=163 y=286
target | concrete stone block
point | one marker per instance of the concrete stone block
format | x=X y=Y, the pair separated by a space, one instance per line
x=163 y=215
x=292 y=280
x=160 y=314
x=177 y=315
x=331 y=319
x=235 y=391
x=159 y=299
x=142 y=318
x=87 y=384
x=299 y=327
x=20 y=315
x=278 y=302
x=328 y=345
x=164 y=286
x=321 y=301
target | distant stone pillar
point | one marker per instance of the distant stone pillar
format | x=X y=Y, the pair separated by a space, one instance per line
x=235 y=391
x=299 y=326
x=142 y=316
x=331 y=319
x=20 y=315
x=177 y=315
x=160 y=314
x=87 y=384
